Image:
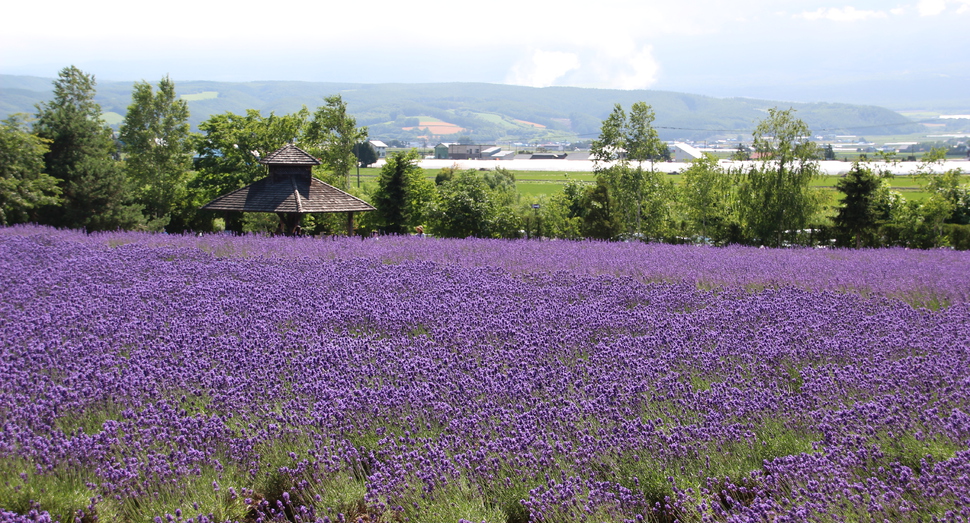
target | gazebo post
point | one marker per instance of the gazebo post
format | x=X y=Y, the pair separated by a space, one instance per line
x=350 y=223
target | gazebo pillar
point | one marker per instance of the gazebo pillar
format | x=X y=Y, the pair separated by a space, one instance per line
x=350 y=223
x=289 y=222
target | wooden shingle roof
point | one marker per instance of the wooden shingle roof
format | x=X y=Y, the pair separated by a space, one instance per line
x=290 y=188
x=289 y=155
x=289 y=195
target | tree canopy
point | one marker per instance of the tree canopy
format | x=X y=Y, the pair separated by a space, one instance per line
x=82 y=157
x=158 y=152
x=858 y=214
x=775 y=198
x=403 y=194
x=642 y=197
x=24 y=187
x=331 y=135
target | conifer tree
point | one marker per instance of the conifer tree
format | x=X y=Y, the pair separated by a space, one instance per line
x=857 y=215
x=96 y=193
x=400 y=181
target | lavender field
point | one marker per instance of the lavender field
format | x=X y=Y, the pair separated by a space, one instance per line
x=169 y=378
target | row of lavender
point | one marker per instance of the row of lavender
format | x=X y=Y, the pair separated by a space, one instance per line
x=922 y=278
x=220 y=379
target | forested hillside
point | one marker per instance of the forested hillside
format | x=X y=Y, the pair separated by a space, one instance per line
x=484 y=112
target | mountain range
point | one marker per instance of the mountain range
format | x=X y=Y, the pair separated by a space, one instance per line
x=483 y=112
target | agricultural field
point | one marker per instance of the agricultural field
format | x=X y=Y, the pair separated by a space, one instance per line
x=547 y=183
x=161 y=378
x=436 y=126
x=203 y=95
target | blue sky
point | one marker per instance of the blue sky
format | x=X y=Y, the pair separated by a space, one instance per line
x=737 y=48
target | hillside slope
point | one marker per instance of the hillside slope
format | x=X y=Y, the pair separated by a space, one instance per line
x=485 y=112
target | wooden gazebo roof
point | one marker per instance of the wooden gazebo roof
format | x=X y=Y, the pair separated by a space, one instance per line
x=289 y=188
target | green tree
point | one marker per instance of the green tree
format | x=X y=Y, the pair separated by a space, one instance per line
x=155 y=137
x=601 y=220
x=467 y=206
x=501 y=181
x=365 y=153
x=775 y=196
x=920 y=225
x=742 y=154
x=229 y=150
x=624 y=144
x=96 y=193
x=888 y=157
x=947 y=186
x=560 y=215
x=446 y=173
x=858 y=215
x=707 y=195
x=24 y=187
x=331 y=135
x=829 y=152
x=935 y=155
x=403 y=194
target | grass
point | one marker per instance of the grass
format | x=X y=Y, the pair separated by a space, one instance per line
x=207 y=492
x=547 y=183
x=496 y=496
x=499 y=120
x=204 y=95
x=428 y=119
x=62 y=492
x=112 y=118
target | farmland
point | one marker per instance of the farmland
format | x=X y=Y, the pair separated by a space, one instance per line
x=175 y=378
x=547 y=183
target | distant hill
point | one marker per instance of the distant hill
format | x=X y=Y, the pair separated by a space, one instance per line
x=484 y=112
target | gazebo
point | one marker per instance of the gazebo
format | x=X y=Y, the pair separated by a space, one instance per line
x=290 y=191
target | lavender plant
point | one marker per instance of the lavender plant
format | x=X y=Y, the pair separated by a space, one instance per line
x=170 y=378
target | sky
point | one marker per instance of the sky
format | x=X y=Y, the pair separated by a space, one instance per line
x=794 y=50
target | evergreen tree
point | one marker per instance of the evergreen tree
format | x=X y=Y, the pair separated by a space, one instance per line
x=155 y=136
x=741 y=154
x=402 y=194
x=97 y=195
x=365 y=153
x=601 y=220
x=829 y=153
x=858 y=214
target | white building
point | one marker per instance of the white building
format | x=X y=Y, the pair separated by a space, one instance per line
x=380 y=147
x=681 y=152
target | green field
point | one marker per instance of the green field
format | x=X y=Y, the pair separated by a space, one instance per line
x=204 y=95
x=112 y=118
x=547 y=183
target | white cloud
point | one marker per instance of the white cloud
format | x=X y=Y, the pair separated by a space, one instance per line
x=931 y=7
x=616 y=44
x=844 y=14
x=935 y=7
x=639 y=72
x=542 y=69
